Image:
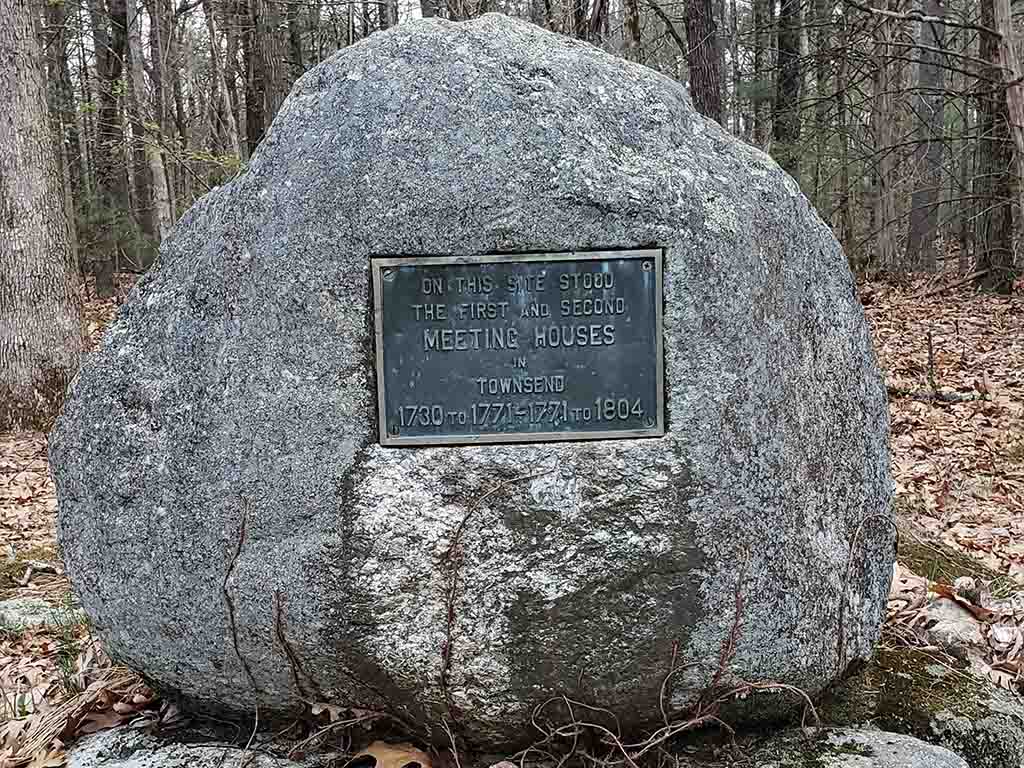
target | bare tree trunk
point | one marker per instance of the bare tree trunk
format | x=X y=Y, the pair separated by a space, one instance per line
x=40 y=313
x=995 y=159
x=154 y=155
x=218 y=75
x=734 y=54
x=761 y=79
x=1014 y=97
x=927 y=157
x=786 y=118
x=63 y=106
x=703 y=59
x=144 y=247
x=631 y=29
x=298 y=62
x=111 y=179
x=966 y=211
x=255 y=114
x=84 y=119
x=846 y=198
x=883 y=220
x=822 y=64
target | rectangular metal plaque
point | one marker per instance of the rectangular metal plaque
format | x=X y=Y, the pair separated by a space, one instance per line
x=519 y=347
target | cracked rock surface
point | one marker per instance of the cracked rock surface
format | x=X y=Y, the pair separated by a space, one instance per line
x=235 y=531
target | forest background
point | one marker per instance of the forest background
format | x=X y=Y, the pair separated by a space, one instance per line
x=903 y=120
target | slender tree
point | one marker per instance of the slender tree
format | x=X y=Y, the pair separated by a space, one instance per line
x=786 y=117
x=702 y=56
x=152 y=150
x=928 y=103
x=40 y=323
x=220 y=82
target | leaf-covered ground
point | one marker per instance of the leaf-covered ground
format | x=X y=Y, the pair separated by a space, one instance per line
x=954 y=367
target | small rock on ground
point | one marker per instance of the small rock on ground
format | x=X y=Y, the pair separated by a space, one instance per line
x=31 y=613
x=934 y=698
x=853 y=748
x=126 y=748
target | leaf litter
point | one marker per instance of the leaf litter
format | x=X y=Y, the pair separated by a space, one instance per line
x=954 y=369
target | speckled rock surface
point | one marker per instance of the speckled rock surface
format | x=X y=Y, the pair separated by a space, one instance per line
x=853 y=748
x=235 y=531
x=20 y=613
x=126 y=748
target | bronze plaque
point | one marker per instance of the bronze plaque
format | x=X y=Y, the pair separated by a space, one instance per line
x=519 y=347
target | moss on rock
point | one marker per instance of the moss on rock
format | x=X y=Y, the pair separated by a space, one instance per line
x=934 y=698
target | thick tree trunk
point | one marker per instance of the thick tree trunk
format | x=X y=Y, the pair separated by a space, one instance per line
x=927 y=156
x=786 y=118
x=703 y=59
x=995 y=161
x=40 y=314
x=154 y=155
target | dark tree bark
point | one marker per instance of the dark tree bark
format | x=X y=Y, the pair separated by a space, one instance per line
x=111 y=217
x=40 y=313
x=631 y=29
x=702 y=56
x=298 y=57
x=255 y=115
x=993 y=182
x=786 y=117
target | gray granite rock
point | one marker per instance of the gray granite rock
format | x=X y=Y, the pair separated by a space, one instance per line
x=237 y=534
x=126 y=748
x=19 y=613
x=853 y=748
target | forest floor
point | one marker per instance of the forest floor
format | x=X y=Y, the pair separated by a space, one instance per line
x=954 y=367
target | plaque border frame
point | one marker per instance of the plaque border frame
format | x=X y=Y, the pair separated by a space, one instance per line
x=378 y=263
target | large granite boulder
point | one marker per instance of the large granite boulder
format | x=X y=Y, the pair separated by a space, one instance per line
x=236 y=532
